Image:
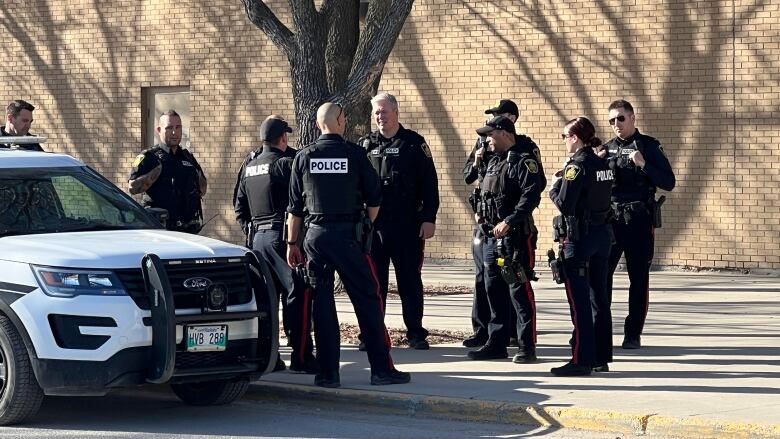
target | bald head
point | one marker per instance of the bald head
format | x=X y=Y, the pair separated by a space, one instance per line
x=330 y=118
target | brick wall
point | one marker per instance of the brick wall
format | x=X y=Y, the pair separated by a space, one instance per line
x=702 y=76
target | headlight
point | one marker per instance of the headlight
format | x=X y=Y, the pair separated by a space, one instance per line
x=66 y=282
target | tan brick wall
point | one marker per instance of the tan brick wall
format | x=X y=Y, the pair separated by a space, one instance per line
x=703 y=77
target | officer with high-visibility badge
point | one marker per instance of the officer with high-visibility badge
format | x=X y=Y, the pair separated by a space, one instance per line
x=410 y=201
x=260 y=204
x=510 y=191
x=581 y=192
x=334 y=183
x=170 y=178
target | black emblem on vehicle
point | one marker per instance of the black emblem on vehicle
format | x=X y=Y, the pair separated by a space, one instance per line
x=197 y=283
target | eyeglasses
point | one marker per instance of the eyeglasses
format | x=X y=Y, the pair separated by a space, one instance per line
x=566 y=136
x=620 y=118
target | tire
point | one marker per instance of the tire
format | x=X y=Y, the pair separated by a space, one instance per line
x=20 y=394
x=211 y=392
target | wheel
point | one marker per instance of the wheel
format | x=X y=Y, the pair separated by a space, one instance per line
x=211 y=392
x=20 y=395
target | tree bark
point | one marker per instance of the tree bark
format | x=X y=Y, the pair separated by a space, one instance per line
x=330 y=58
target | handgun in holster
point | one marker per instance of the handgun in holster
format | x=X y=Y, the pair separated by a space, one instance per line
x=250 y=234
x=364 y=232
x=656 y=211
x=556 y=266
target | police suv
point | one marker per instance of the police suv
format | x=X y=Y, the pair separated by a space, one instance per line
x=95 y=294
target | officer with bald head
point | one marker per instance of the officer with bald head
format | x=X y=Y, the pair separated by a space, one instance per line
x=333 y=182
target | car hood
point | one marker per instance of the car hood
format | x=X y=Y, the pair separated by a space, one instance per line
x=111 y=249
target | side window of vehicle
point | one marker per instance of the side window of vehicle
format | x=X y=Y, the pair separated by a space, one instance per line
x=78 y=201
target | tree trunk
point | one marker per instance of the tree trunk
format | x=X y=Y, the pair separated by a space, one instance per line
x=330 y=59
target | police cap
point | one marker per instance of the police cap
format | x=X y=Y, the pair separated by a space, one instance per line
x=497 y=123
x=504 y=106
x=273 y=128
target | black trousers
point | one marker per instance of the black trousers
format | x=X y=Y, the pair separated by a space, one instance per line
x=330 y=248
x=480 y=308
x=504 y=298
x=295 y=296
x=637 y=241
x=402 y=245
x=585 y=266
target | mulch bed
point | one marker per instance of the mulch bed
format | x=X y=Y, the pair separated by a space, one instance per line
x=349 y=335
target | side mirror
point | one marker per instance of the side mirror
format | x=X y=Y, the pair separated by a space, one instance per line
x=159 y=214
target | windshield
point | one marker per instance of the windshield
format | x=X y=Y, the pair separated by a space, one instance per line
x=67 y=199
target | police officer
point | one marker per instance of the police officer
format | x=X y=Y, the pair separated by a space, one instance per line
x=260 y=205
x=581 y=192
x=473 y=170
x=332 y=181
x=18 y=120
x=510 y=191
x=640 y=166
x=410 y=201
x=170 y=177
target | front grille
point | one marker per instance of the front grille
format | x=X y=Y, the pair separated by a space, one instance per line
x=233 y=274
x=237 y=350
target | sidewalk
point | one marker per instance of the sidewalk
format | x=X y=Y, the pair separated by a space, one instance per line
x=709 y=366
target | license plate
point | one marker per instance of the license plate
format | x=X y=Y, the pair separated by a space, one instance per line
x=207 y=338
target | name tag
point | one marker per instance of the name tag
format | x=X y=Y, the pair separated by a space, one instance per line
x=252 y=171
x=627 y=151
x=186 y=163
x=376 y=152
x=329 y=166
x=391 y=151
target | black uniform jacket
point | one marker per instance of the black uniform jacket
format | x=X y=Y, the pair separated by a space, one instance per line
x=585 y=187
x=410 y=188
x=177 y=189
x=513 y=178
x=631 y=182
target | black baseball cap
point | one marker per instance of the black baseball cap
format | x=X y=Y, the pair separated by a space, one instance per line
x=504 y=106
x=497 y=123
x=272 y=129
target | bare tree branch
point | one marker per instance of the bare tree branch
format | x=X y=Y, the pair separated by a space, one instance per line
x=264 y=18
x=384 y=22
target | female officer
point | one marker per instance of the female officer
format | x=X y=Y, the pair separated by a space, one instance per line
x=582 y=193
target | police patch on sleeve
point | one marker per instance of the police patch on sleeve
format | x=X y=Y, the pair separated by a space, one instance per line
x=138 y=159
x=532 y=166
x=571 y=172
x=537 y=154
x=426 y=150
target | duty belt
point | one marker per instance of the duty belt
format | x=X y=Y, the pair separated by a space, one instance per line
x=623 y=210
x=268 y=226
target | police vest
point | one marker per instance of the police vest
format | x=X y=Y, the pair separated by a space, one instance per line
x=266 y=191
x=630 y=182
x=500 y=202
x=593 y=204
x=331 y=181
x=391 y=160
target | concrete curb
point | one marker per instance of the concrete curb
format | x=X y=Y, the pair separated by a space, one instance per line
x=463 y=409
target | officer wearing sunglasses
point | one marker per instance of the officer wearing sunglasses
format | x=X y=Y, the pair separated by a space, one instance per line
x=640 y=167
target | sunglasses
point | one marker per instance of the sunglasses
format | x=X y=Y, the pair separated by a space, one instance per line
x=620 y=118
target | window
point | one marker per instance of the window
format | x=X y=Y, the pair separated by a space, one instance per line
x=157 y=100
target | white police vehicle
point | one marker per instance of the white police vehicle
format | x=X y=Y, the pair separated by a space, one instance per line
x=95 y=294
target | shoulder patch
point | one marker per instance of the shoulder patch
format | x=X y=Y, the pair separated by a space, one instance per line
x=571 y=172
x=537 y=154
x=138 y=159
x=532 y=166
x=366 y=143
x=426 y=150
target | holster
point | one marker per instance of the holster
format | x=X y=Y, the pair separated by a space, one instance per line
x=474 y=199
x=556 y=266
x=656 y=211
x=364 y=232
